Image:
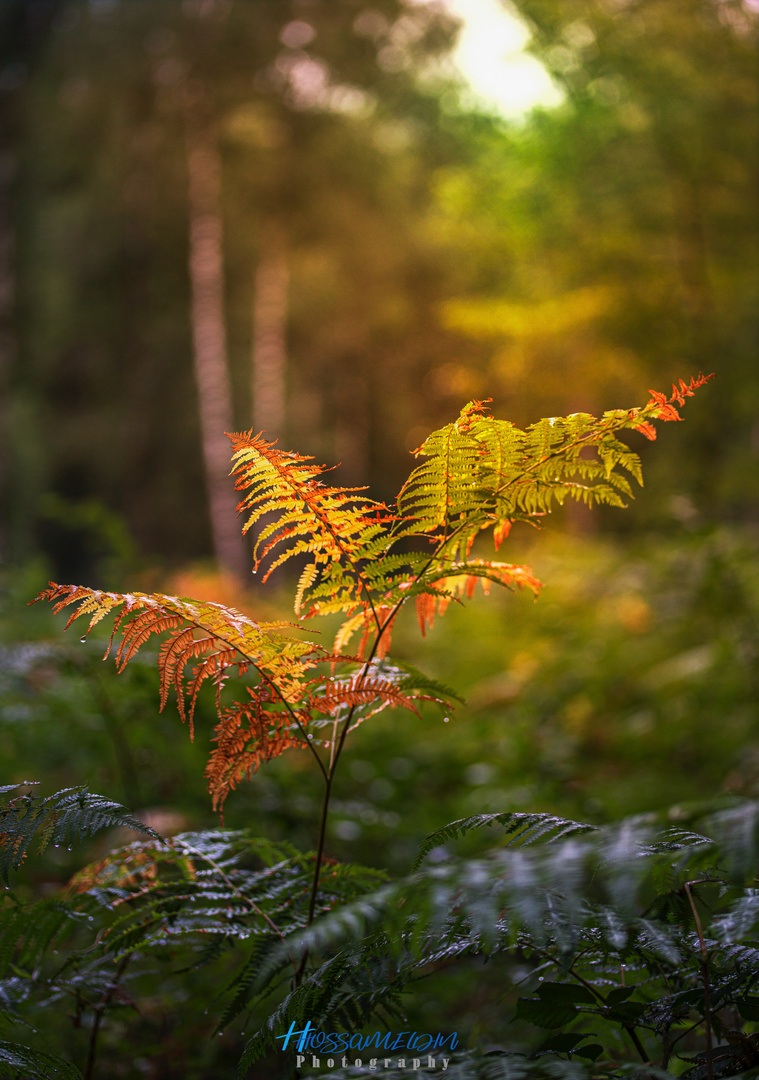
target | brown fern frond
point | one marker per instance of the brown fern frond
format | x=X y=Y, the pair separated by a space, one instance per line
x=139 y=629
x=172 y=660
x=174 y=655
x=213 y=667
x=248 y=734
x=360 y=690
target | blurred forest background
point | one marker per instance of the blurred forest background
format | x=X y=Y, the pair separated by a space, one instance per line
x=218 y=214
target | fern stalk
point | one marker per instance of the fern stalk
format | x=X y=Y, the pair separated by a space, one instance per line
x=99 y=1010
x=704 y=965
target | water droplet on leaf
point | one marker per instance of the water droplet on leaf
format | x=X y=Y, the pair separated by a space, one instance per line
x=83 y=639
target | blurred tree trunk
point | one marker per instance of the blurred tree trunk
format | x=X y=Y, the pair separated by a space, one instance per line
x=7 y=306
x=208 y=327
x=269 y=351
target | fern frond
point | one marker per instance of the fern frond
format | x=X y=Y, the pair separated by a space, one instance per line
x=68 y=815
x=357 y=690
x=247 y=735
x=484 y=472
x=367 y=620
x=347 y=990
x=435 y=589
x=36 y=1064
x=406 y=677
x=227 y=638
x=536 y=892
x=197 y=886
x=27 y=932
x=444 y=487
x=520 y=829
x=308 y=516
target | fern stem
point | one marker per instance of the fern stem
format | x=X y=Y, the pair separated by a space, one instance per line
x=337 y=751
x=705 y=981
x=99 y=1013
x=634 y=1037
x=317 y=869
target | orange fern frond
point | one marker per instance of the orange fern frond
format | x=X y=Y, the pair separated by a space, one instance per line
x=436 y=589
x=426 y=609
x=500 y=532
x=198 y=629
x=309 y=516
x=213 y=667
x=661 y=407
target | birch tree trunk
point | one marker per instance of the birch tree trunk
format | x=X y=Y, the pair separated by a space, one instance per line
x=208 y=329
x=269 y=351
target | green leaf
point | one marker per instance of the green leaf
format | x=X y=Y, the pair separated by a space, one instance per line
x=592 y=1051
x=521 y=829
x=67 y=816
x=545 y=1013
x=749 y=1008
x=561 y=1044
x=622 y=993
x=565 y=994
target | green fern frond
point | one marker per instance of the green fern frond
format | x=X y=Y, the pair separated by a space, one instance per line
x=67 y=816
x=27 y=932
x=347 y=990
x=444 y=488
x=18 y=1060
x=198 y=884
x=543 y=888
x=520 y=829
x=482 y=471
x=407 y=677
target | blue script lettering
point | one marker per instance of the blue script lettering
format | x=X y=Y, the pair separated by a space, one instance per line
x=303 y=1035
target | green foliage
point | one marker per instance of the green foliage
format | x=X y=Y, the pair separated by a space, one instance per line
x=28 y=932
x=644 y=935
